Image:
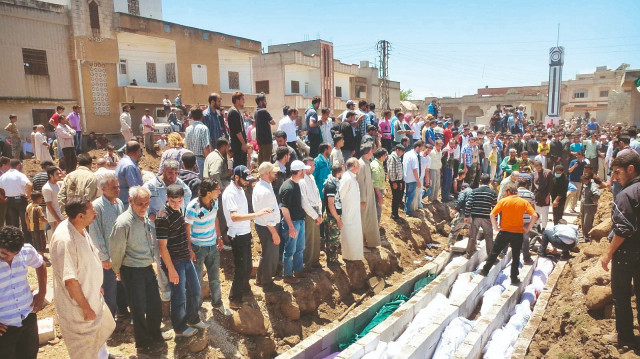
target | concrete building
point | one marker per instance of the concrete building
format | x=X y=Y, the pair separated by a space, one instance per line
x=37 y=72
x=292 y=74
x=608 y=95
x=90 y=51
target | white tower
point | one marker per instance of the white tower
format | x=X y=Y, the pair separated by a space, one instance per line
x=556 y=60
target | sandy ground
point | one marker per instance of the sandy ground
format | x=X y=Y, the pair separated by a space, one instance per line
x=408 y=246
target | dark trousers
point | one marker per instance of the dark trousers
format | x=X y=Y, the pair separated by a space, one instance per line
x=115 y=295
x=625 y=269
x=503 y=240
x=294 y=144
x=558 y=212
x=386 y=144
x=549 y=237
x=396 y=196
x=16 y=209
x=447 y=182
x=146 y=308
x=22 y=342
x=269 y=259
x=264 y=152
x=3 y=213
x=70 y=159
x=243 y=264
x=315 y=139
x=239 y=158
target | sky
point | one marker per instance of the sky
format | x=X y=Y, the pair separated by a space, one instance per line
x=438 y=48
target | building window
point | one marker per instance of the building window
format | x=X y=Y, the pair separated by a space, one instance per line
x=262 y=86
x=167 y=28
x=604 y=93
x=199 y=74
x=205 y=35
x=580 y=94
x=170 y=70
x=306 y=89
x=361 y=91
x=295 y=86
x=94 y=18
x=151 y=73
x=35 y=62
x=338 y=91
x=134 y=7
x=234 y=80
x=123 y=67
x=237 y=42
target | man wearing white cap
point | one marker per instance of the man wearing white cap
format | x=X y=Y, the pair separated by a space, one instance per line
x=293 y=226
x=264 y=197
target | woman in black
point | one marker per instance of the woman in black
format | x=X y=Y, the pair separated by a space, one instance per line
x=559 y=193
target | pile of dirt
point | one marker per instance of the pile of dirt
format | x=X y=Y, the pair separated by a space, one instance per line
x=271 y=323
x=580 y=315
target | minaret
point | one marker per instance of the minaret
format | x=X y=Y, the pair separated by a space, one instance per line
x=556 y=60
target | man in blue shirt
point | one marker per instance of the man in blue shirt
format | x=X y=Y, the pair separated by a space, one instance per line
x=576 y=169
x=593 y=125
x=433 y=108
x=128 y=172
x=373 y=118
x=211 y=119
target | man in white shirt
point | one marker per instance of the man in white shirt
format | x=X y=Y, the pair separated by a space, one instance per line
x=434 y=171
x=125 y=126
x=542 y=157
x=326 y=123
x=312 y=205
x=149 y=126
x=50 y=194
x=288 y=125
x=263 y=196
x=66 y=136
x=236 y=212
x=411 y=168
x=17 y=188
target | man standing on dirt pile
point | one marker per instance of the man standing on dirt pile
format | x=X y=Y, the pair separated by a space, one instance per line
x=624 y=249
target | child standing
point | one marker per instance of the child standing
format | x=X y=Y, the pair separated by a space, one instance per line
x=111 y=157
x=493 y=161
x=37 y=222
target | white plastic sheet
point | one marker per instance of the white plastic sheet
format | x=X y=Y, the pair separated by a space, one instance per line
x=461 y=284
x=501 y=344
x=452 y=337
x=379 y=353
x=520 y=316
x=489 y=297
x=530 y=294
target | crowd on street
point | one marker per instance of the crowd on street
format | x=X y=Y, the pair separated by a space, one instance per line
x=120 y=241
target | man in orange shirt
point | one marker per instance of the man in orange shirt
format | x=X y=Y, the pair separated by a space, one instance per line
x=511 y=209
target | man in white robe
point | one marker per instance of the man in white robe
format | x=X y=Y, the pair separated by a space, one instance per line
x=85 y=320
x=351 y=234
x=40 y=145
x=369 y=216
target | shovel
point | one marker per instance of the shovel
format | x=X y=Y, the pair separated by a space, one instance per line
x=376 y=285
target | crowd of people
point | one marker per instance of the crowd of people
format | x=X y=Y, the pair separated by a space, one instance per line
x=316 y=184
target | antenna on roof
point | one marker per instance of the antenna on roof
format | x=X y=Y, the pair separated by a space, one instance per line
x=558 y=38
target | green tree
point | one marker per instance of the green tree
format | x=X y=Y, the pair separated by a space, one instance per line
x=406 y=94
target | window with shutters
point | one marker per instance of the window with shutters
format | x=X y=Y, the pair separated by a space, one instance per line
x=123 y=67
x=604 y=93
x=94 y=18
x=580 y=94
x=35 y=62
x=234 y=80
x=338 y=91
x=295 y=86
x=134 y=7
x=262 y=86
x=151 y=73
x=170 y=70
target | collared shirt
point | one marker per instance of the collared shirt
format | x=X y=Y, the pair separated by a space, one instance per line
x=101 y=227
x=395 y=168
x=13 y=182
x=158 y=190
x=128 y=176
x=65 y=135
x=79 y=183
x=325 y=129
x=196 y=138
x=211 y=119
x=170 y=227
x=321 y=172
x=147 y=121
x=377 y=173
x=15 y=292
x=311 y=114
x=310 y=196
x=133 y=242
x=264 y=197
x=530 y=197
x=174 y=153
x=591 y=149
x=217 y=167
x=566 y=233
x=50 y=194
x=12 y=128
x=74 y=120
x=203 y=222
x=125 y=122
x=410 y=162
x=436 y=159
x=467 y=155
x=234 y=200
x=336 y=157
x=289 y=127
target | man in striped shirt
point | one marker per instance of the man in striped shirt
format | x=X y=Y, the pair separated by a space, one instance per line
x=203 y=232
x=18 y=321
x=177 y=257
x=197 y=139
x=481 y=202
x=394 y=166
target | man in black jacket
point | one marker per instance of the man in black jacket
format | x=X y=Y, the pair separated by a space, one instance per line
x=624 y=249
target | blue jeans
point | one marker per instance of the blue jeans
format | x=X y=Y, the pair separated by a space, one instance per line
x=293 y=249
x=200 y=163
x=114 y=293
x=447 y=182
x=184 y=296
x=77 y=140
x=409 y=197
x=209 y=257
x=485 y=166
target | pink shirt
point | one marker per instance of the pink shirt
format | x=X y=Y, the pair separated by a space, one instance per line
x=147 y=121
x=385 y=128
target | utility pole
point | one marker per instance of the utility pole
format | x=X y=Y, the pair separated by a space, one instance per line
x=384 y=47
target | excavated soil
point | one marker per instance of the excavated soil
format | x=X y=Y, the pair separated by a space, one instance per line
x=579 y=318
x=269 y=324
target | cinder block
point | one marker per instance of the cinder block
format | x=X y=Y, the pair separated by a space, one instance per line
x=354 y=351
x=46 y=330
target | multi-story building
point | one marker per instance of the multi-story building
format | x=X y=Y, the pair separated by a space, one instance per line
x=608 y=95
